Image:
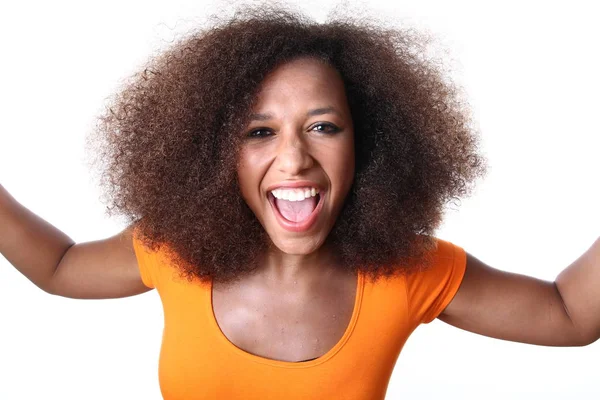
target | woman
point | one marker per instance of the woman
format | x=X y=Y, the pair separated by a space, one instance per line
x=283 y=181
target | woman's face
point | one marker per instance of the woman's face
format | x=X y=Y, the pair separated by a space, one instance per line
x=297 y=158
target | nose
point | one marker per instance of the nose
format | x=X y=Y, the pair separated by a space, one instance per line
x=293 y=156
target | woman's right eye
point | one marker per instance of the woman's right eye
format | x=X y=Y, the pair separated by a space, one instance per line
x=258 y=133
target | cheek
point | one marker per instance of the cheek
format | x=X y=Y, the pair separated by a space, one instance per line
x=338 y=163
x=345 y=163
x=249 y=175
x=244 y=174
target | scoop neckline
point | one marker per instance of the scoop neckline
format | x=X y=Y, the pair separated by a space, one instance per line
x=290 y=364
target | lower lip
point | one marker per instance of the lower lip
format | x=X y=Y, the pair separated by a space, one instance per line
x=297 y=226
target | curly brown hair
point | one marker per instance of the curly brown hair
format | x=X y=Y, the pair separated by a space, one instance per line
x=168 y=143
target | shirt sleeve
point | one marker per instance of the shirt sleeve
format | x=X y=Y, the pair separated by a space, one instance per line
x=146 y=261
x=429 y=291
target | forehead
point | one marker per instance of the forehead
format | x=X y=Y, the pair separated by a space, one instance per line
x=302 y=79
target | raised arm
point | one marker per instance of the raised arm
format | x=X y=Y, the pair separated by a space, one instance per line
x=519 y=308
x=55 y=263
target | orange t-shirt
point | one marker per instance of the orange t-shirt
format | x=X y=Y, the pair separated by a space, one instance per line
x=197 y=361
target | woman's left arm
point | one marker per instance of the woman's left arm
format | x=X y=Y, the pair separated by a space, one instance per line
x=520 y=308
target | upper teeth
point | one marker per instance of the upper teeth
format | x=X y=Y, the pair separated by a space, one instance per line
x=297 y=194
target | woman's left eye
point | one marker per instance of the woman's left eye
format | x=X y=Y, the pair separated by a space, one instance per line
x=328 y=128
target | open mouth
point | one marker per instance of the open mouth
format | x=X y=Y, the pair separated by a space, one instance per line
x=298 y=215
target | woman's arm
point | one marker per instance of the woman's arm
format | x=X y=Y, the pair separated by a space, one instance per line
x=55 y=263
x=519 y=308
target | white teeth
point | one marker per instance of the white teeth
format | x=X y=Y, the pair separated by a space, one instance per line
x=297 y=194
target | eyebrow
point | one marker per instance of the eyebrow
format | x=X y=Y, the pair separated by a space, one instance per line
x=310 y=113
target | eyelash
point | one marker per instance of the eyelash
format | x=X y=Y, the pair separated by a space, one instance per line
x=333 y=129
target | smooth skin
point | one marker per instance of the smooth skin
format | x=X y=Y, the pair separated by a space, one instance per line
x=295 y=144
x=98 y=269
x=301 y=130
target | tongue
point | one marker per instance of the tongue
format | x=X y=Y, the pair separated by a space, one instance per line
x=296 y=211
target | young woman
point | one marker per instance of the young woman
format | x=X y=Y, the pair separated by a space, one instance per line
x=283 y=180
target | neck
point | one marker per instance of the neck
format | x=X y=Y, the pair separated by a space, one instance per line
x=297 y=270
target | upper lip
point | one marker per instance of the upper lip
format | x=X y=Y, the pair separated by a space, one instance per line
x=295 y=184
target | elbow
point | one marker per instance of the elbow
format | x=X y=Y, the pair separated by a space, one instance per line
x=582 y=343
x=583 y=338
x=588 y=339
x=48 y=288
x=579 y=334
x=51 y=287
x=579 y=343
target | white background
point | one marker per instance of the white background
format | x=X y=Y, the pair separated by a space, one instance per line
x=530 y=72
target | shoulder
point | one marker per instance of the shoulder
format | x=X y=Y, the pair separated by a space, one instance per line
x=431 y=287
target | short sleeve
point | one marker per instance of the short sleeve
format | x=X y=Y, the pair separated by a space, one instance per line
x=146 y=261
x=431 y=290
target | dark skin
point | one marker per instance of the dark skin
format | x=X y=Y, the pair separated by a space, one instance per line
x=302 y=130
x=298 y=271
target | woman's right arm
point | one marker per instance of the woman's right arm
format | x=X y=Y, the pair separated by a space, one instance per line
x=56 y=264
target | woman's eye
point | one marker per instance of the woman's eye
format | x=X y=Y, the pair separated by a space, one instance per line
x=322 y=127
x=258 y=133
x=326 y=128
